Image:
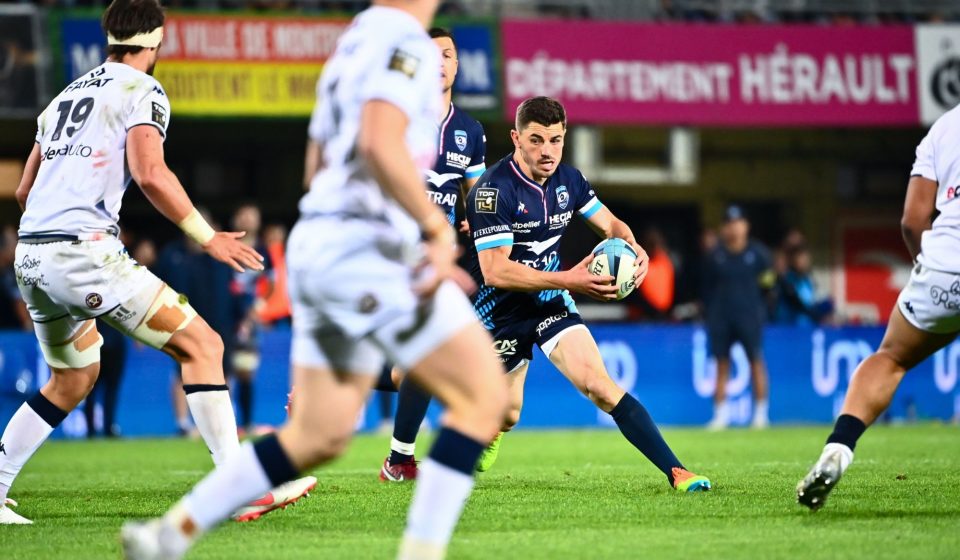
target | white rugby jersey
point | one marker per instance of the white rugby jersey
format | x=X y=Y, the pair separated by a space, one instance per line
x=83 y=137
x=938 y=159
x=385 y=55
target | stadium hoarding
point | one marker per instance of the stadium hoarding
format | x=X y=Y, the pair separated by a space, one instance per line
x=938 y=51
x=696 y=74
x=242 y=64
x=224 y=65
x=667 y=367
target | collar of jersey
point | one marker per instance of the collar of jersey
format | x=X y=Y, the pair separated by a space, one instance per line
x=530 y=182
x=443 y=128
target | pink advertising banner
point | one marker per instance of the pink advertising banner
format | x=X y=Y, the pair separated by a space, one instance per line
x=629 y=73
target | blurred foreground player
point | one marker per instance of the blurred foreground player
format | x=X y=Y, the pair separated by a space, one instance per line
x=460 y=163
x=105 y=128
x=518 y=212
x=364 y=288
x=927 y=314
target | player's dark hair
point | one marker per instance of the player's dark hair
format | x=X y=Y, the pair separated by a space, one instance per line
x=125 y=18
x=540 y=110
x=437 y=32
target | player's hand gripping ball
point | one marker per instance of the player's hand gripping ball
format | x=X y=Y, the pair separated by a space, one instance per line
x=614 y=257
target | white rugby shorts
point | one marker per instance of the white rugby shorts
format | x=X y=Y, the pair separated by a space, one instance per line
x=931 y=300
x=65 y=283
x=351 y=293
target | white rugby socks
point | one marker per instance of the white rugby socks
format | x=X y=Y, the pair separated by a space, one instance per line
x=213 y=414
x=233 y=484
x=29 y=427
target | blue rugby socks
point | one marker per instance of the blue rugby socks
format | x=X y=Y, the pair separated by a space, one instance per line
x=636 y=425
x=412 y=407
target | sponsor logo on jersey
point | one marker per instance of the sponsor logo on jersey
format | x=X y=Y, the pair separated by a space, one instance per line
x=550 y=320
x=442 y=199
x=522 y=209
x=404 y=62
x=505 y=347
x=561 y=220
x=486 y=201
x=953 y=192
x=460 y=137
x=526 y=226
x=78 y=150
x=93 y=300
x=159 y=114
x=458 y=160
x=84 y=83
x=499 y=228
x=563 y=197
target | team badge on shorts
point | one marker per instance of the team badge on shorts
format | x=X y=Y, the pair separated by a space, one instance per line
x=94 y=300
x=487 y=200
x=563 y=197
x=460 y=137
x=368 y=304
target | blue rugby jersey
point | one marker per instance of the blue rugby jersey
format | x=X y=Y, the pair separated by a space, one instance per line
x=508 y=209
x=463 y=146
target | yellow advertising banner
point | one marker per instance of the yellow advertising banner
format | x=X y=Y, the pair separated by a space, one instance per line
x=213 y=88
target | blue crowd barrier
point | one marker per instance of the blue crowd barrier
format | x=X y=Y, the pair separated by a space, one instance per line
x=666 y=367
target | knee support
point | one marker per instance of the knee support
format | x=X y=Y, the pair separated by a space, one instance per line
x=169 y=313
x=82 y=351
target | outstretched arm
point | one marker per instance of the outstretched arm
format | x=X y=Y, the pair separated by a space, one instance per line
x=164 y=191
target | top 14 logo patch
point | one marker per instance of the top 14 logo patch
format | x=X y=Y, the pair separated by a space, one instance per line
x=460 y=137
x=563 y=197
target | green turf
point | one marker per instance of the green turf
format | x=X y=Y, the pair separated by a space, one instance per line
x=551 y=495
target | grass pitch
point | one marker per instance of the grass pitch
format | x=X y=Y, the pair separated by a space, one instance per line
x=572 y=494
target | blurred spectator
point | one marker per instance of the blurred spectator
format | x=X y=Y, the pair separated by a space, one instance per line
x=249 y=291
x=13 y=312
x=659 y=286
x=734 y=274
x=206 y=283
x=113 y=357
x=276 y=306
x=796 y=296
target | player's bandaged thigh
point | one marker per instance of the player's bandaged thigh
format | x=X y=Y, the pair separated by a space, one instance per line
x=153 y=318
x=82 y=350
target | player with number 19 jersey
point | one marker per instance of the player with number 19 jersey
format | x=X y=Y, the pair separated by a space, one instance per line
x=82 y=136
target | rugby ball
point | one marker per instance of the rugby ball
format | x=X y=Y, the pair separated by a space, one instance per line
x=614 y=257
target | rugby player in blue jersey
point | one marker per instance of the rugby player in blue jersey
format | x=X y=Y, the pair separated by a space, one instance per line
x=517 y=213
x=460 y=162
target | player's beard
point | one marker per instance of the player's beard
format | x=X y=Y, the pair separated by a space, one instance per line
x=151 y=68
